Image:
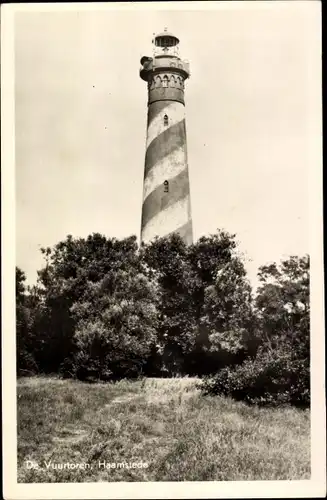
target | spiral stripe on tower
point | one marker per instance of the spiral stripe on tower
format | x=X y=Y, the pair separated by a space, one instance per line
x=166 y=205
x=166 y=192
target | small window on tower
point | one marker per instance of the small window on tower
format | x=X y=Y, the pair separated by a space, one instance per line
x=165 y=120
x=166 y=186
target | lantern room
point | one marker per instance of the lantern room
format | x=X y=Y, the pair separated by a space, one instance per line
x=165 y=43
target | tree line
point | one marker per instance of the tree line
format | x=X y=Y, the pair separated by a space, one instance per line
x=106 y=308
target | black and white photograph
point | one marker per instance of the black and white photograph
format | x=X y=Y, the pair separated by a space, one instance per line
x=163 y=262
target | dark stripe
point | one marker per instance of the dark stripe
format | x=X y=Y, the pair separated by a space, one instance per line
x=185 y=232
x=158 y=200
x=155 y=108
x=165 y=143
x=165 y=94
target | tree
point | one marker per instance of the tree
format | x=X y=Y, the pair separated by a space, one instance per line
x=283 y=304
x=20 y=285
x=206 y=302
x=280 y=371
x=228 y=317
x=115 y=326
x=222 y=298
x=70 y=267
x=25 y=347
x=166 y=259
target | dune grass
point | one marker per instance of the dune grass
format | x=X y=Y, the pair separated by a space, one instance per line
x=164 y=423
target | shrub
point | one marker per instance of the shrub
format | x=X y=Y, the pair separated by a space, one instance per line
x=272 y=378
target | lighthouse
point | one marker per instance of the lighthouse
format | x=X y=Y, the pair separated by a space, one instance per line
x=166 y=205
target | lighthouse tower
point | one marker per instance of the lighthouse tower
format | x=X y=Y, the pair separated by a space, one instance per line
x=166 y=191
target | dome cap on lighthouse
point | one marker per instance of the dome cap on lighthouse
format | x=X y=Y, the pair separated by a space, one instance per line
x=165 y=39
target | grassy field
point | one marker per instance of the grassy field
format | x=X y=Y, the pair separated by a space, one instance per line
x=164 y=423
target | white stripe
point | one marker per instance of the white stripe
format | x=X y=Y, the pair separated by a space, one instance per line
x=168 y=220
x=170 y=166
x=175 y=112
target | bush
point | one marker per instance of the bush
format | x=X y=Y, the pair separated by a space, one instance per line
x=272 y=378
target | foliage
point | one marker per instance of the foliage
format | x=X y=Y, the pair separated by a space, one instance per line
x=204 y=296
x=272 y=377
x=115 y=326
x=280 y=372
x=283 y=304
x=105 y=309
x=71 y=268
x=228 y=317
x=167 y=258
x=26 y=363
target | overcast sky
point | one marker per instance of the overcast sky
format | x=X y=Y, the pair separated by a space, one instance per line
x=81 y=123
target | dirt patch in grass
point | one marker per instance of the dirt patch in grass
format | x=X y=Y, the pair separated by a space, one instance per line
x=71 y=435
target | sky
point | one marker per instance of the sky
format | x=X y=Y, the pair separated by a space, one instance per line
x=80 y=122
